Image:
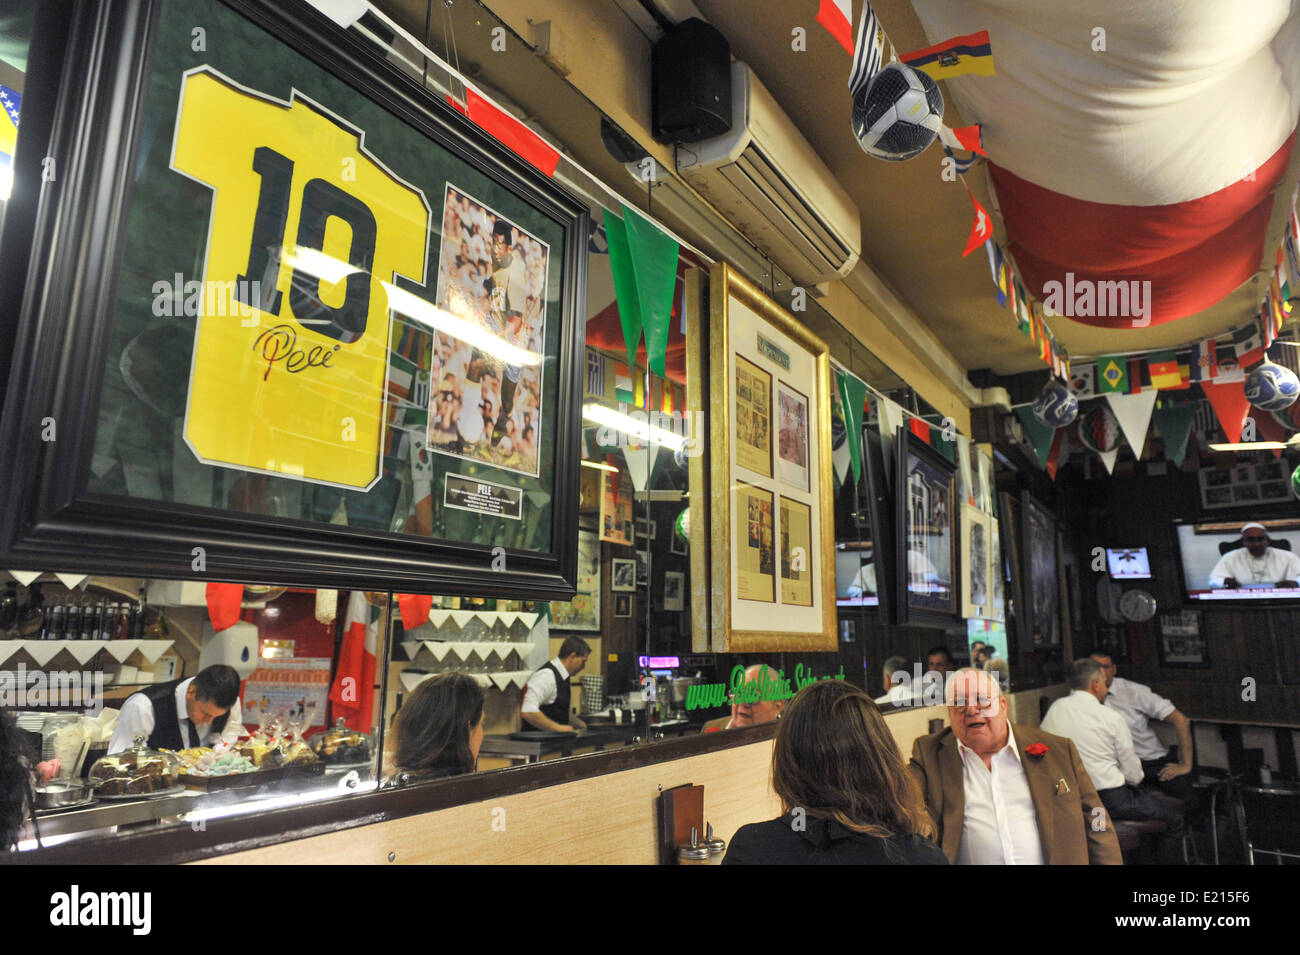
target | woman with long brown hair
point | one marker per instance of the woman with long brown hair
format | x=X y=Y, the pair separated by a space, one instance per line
x=440 y=728
x=847 y=796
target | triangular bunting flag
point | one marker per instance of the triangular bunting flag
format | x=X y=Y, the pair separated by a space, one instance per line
x=629 y=300
x=1133 y=412
x=890 y=415
x=837 y=17
x=1040 y=435
x=1230 y=406
x=1108 y=459
x=1174 y=422
x=853 y=393
x=981 y=230
x=654 y=259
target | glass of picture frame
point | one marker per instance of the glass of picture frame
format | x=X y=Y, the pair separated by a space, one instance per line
x=926 y=535
x=340 y=348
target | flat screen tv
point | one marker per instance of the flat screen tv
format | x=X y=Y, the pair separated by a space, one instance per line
x=1128 y=563
x=1232 y=561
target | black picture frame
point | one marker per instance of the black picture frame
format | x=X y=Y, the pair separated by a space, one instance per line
x=1040 y=588
x=879 y=500
x=61 y=256
x=913 y=608
x=1178 y=648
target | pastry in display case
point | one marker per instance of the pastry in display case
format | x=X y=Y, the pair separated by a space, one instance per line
x=135 y=772
x=342 y=746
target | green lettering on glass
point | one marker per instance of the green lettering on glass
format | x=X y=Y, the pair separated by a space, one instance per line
x=769 y=685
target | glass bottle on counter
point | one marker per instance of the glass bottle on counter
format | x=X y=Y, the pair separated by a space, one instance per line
x=72 y=619
x=53 y=629
x=31 y=619
x=107 y=617
x=122 y=621
x=137 y=621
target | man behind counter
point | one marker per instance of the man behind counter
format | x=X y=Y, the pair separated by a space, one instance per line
x=546 y=698
x=182 y=714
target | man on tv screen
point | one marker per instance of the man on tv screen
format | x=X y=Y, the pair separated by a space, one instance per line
x=1255 y=564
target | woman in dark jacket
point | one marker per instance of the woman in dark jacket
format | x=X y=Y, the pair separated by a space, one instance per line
x=440 y=728
x=847 y=796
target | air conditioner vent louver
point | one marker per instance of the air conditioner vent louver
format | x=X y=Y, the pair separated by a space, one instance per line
x=770 y=183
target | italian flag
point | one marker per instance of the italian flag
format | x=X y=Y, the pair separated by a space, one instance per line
x=623 y=384
x=353 y=692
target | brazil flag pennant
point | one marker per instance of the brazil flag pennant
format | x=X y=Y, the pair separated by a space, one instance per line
x=1112 y=374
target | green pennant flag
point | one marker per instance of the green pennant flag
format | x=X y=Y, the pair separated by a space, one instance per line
x=654 y=257
x=941 y=444
x=1174 y=422
x=1040 y=435
x=625 y=290
x=1112 y=374
x=853 y=394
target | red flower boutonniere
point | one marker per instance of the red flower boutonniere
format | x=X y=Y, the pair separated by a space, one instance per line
x=1036 y=749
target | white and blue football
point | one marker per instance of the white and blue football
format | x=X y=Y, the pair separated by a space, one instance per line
x=1056 y=406
x=898 y=114
x=1272 y=387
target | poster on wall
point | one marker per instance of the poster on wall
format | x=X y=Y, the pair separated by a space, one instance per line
x=977 y=596
x=486 y=401
x=792 y=436
x=770 y=473
x=583 y=611
x=616 y=507
x=753 y=418
x=296 y=687
x=927 y=534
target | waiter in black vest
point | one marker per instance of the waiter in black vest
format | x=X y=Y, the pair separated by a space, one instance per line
x=546 y=697
x=182 y=714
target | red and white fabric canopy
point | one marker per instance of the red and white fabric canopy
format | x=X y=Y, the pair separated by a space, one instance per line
x=1133 y=141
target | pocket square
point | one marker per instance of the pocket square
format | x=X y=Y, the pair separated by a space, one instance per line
x=1062 y=787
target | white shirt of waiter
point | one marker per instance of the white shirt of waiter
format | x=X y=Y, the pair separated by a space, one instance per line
x=136 y=719
x=1139 y=704
x=1101 y=737
x=542 y=689
x=1000 y=826
x=1274 y=566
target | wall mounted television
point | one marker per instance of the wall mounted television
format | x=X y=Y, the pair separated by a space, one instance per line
x=1241 y=560
x=1128 y=563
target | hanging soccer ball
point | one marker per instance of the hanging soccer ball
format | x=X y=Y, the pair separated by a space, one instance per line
x=1271 y=387
x=898 y=114
x=1055 y=406
x=1099 y=429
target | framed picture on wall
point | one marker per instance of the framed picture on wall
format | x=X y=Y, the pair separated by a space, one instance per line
x=622 y=605
x=1182 y=644
x=622 y=574
x=770 y=487
x=976 y=543
x=926 y=532
x=583 y=611
x=271 y=371
x=1041 y=615
x=674 y=590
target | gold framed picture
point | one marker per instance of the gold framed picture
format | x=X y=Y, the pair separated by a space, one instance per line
x=773 y=580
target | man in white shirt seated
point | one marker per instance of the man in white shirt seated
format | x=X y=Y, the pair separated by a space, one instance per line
x=1139 y=704
x=547 y=695
x=899 y=691
x=1255 y=563
x=183 y=714
x=1004 y=794
x=1106 y=747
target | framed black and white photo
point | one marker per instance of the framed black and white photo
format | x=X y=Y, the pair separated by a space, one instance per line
x=622 y=576
x=1181 y=642
x=1040 y=615
x=674 y=590
x=328 y=331
x=926 y=535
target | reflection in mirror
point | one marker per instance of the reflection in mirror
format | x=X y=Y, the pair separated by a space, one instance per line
x=151 y=703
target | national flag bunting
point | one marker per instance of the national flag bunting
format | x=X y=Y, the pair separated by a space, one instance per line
x=1204 y=360
x=868 y=53
x=837 y=17
x=1164 y=370
x=1112 y=374
x=982 y=229
x=955 y=57
x=969 y=138
x=510 y=132
x=623 y=384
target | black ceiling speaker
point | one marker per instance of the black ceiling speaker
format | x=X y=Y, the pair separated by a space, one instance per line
x=690 y=84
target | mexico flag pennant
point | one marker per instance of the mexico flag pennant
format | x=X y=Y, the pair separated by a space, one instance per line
x=1249 y=344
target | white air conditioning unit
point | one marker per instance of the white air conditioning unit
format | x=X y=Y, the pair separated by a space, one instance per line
x=765 y=178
